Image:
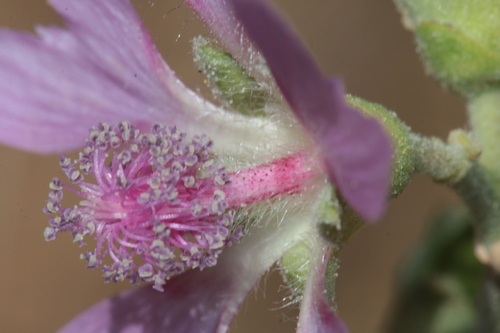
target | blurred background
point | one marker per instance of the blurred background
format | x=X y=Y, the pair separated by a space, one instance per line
x=43 y=285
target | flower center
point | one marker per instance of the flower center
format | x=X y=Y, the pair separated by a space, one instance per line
x=160 y=204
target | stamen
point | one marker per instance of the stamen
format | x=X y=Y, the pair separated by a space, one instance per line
x=150 y=211
x=160 y=204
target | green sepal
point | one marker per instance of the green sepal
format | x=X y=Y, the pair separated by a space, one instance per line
x=404 y=158
x=241 y=91
x=295 y=266
x=296 y=262
x=331 y=275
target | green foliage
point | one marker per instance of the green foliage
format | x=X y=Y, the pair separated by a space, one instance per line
x=456 y=60
x=459 y=41
x=296 y=262
x=484 y=118
x=439 y=284
x=295 y=266
x=241 y=91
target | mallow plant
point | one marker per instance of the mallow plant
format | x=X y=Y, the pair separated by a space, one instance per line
x=193 y=201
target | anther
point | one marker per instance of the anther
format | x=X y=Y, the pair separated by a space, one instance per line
x=157 y=206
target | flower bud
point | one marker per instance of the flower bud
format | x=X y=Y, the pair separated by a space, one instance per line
x=458 y=41
x=403 y=166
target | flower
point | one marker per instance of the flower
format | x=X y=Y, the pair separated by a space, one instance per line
x=103 y=68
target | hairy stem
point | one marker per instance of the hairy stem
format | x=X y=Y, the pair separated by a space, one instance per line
x=484 y=113
x=482 y=200
x=452 y=164
x=441 y=161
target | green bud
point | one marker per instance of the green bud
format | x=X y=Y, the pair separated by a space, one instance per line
x=243 y=93
x=459 y=41
x=295 y=266
x=403 y=159
x=465 y=140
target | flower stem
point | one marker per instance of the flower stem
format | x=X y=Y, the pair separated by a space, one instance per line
x=453 y=165
x=489 y=304
x=484 y=113
x=482 y=200
x=442 y=162
x=481 y=187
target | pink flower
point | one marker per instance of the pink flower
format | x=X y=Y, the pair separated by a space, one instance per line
x=103 y=68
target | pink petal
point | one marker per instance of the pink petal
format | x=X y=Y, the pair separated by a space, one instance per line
x=356 y=150
x=358 y=157
x=50 y=97
x=316 y=313
x=102 y=68
x=218 y=16
x=198 y=302
x=195 y=301
x=116 y=35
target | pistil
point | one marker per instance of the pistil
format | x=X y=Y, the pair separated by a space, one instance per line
x=161 y=204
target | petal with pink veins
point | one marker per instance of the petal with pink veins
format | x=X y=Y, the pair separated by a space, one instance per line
x=103 y=67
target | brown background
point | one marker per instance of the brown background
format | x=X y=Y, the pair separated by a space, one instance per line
x=43 y=285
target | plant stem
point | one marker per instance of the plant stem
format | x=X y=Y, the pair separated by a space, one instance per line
x=441 y=161
x=484 y=113
x=451 y=164
x=482 y=200
x=489 y=304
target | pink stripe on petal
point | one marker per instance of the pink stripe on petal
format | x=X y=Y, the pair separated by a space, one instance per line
x=355 y=149
x=316 y=313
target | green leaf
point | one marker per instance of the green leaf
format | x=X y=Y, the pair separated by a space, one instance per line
x=455 y=59
x=439 y=283
x=459 y=40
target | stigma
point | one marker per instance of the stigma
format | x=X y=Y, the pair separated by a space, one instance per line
x=159 y=204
